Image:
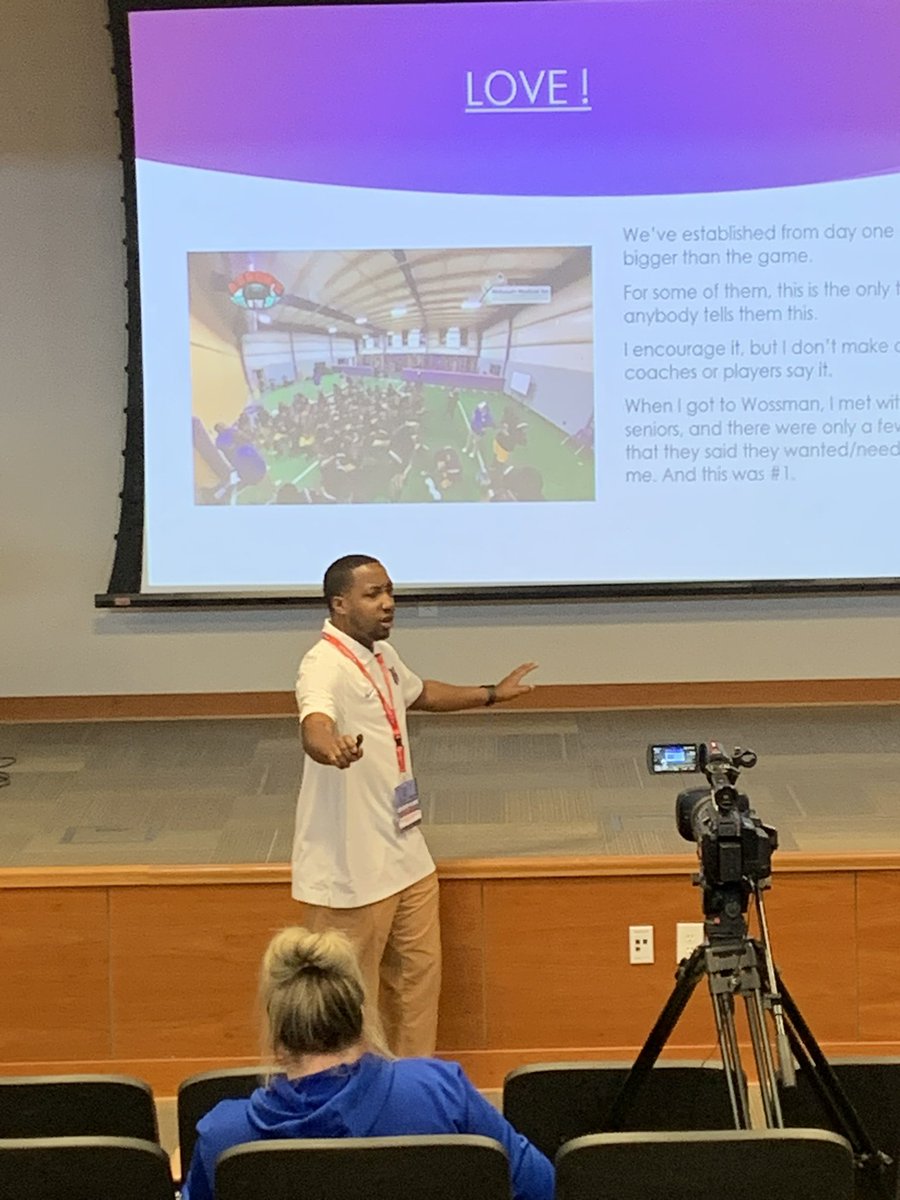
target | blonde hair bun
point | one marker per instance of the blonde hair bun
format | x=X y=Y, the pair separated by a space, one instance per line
x=294 y=950
x=312 y=992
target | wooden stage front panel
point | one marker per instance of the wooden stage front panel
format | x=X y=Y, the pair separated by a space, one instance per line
x=153 y=971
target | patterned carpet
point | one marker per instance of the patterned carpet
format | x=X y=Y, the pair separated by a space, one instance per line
x=499 y=783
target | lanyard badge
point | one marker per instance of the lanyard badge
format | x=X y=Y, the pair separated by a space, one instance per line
x=407 y=809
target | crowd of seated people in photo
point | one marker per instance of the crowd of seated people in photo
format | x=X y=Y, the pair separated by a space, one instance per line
x=366 y=438
x=360 y=436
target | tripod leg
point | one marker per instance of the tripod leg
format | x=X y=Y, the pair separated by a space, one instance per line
x=824 y=1081
x=723 y=1009
x=784 y=1057
x=689 y=975
x=870 y=1161
x=765 y=1065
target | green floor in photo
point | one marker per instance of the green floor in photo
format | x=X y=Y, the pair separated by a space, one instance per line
x=567 y=475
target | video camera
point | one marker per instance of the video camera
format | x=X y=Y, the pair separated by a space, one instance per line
x=733 y=845
x=735 y=852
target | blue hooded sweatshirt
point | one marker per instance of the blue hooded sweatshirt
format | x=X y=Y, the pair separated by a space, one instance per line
x=373 y=1097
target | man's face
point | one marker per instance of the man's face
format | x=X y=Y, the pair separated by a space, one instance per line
x=366 y=609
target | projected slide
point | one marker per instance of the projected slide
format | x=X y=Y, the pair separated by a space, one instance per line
x=558 y=293
x=371 y=377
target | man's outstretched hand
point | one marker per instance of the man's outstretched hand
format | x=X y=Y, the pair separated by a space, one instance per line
x=511 y=685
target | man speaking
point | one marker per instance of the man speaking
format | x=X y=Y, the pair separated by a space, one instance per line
x=360 y=863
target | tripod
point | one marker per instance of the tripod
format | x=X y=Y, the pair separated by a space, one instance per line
x=736 y=965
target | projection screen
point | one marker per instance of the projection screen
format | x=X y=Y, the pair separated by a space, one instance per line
x=549 y=297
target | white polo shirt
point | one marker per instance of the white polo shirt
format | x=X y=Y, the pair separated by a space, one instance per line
x=347 y=848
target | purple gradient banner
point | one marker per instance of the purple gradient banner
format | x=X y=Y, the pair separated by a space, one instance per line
x=556 y=98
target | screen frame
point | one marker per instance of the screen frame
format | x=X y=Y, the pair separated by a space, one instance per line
x=123 y=591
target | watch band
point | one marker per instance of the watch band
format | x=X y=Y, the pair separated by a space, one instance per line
x=491 y=690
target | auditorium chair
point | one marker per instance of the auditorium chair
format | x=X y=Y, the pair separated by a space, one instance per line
x=199 y=1094
x=551 y=1103
x=872 y=1085
x=84 y=1168
x=440 y=1167
x=746 y=1164
x=53 y=1106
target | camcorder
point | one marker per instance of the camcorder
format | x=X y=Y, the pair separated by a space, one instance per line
x=735 y=852
x=733 y=845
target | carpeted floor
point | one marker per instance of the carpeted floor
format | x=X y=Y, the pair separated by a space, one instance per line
x=498 y=783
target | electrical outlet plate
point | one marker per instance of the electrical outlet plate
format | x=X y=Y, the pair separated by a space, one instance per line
x=688 y=936
x=640 y=943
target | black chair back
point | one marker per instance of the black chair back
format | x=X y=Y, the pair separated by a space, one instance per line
x=551 y=1103
x=442 y=1167
x=49 y=1106
x=201 y=1093
x=781 y=1164
x=872 y=1085
x=84 y=1168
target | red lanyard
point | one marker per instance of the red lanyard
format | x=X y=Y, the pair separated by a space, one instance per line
x=387 y=705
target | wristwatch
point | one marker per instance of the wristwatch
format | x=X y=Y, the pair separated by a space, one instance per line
x=491 y=690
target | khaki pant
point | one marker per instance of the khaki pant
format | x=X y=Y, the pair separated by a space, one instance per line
x=398 y=944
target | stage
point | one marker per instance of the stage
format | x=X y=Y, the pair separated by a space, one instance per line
x=145 y=867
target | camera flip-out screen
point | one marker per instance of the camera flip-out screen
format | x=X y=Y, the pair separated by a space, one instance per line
x=673 y=757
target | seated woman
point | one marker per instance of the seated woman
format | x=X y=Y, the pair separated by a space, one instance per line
x=335 y=1080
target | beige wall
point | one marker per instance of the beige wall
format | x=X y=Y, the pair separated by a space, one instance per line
x=62 y=356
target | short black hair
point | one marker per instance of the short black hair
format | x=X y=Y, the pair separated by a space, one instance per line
x=339 y=575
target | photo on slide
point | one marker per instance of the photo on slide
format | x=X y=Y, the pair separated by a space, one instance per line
x=413 y=376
